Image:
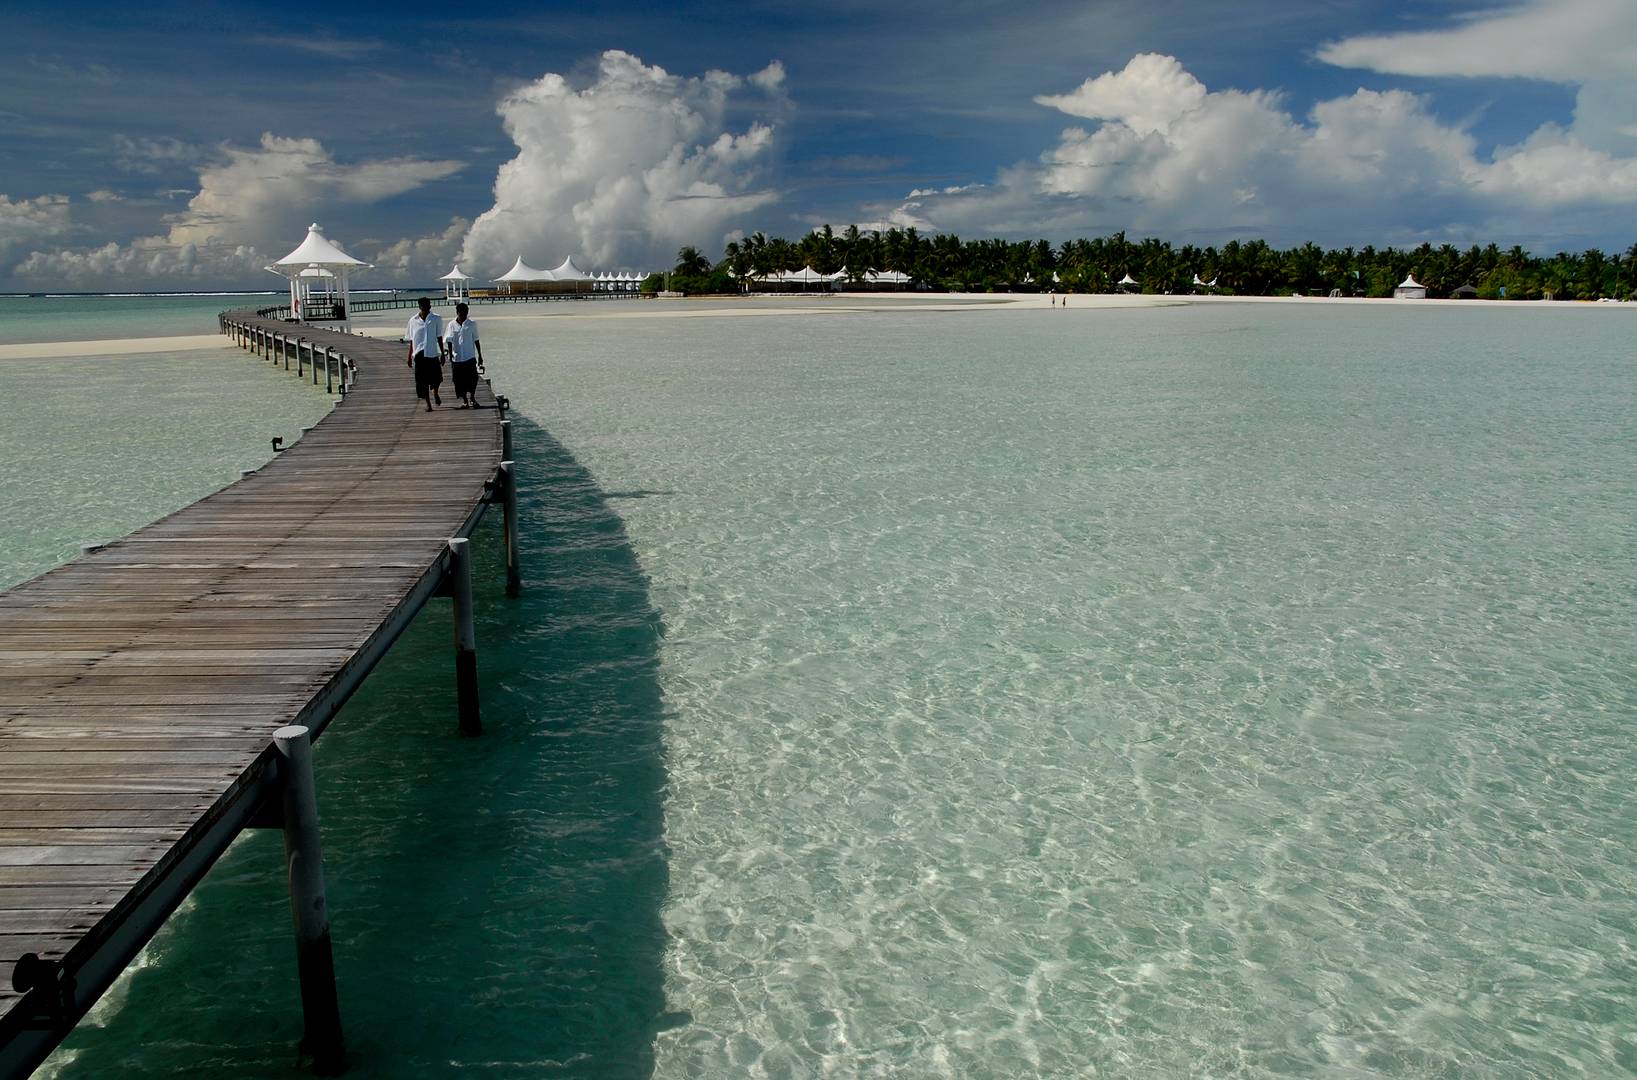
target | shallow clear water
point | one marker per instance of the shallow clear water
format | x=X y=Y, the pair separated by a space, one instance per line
x=92 y=448
x=1204 y=691
x=85 y=318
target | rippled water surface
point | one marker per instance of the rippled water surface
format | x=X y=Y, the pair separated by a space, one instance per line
x=1231 y=690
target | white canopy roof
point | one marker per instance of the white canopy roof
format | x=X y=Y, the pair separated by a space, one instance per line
x=1128 y=280
x=567 y=271
x=456 y=275
x=318 y=251
x=806 y=274
x=1409 y=282
x=891 y=277
x=522 y=271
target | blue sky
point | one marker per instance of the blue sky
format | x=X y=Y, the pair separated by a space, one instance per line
x=185 y=145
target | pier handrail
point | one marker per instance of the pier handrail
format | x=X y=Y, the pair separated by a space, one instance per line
x=159 y=690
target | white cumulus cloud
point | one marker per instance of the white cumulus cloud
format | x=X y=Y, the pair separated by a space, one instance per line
x=623 y=171
x=32 y=221
x=252 y=205
x=1588 y=44
x=265 y=195
x=1169 y=156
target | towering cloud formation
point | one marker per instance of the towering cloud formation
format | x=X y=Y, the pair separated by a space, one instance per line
x=624 y=171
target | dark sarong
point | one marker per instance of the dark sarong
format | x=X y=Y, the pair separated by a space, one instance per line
x=464 y=374
x=428 y=375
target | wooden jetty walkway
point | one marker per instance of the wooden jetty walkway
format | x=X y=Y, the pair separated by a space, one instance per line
x=154 y=691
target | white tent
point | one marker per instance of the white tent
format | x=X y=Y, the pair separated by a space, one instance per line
x=1410 y=289
x=1127 y=280
x=318 y=272
x=805 y=276
x=567 y=271
x=887 y=277
x=456 y=285
x=522 y=272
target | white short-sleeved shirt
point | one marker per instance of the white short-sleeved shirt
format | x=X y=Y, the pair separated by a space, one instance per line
x=461 y=337
x=423 y=336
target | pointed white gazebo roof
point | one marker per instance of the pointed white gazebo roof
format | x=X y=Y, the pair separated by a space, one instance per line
x=522 y=271
x=567 y=271
x=1409 y=282
x=317 y=250
x=456 y=275
x=1127 y=280
x=317 y=271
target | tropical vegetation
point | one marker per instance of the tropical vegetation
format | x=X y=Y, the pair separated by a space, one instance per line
x=945 y=262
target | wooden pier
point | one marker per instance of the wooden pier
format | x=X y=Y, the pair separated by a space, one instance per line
x=154 y=691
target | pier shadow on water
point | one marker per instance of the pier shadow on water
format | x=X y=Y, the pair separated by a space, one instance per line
x=495 y=902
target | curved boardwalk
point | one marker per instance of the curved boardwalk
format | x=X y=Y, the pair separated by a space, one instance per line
x=140 y=684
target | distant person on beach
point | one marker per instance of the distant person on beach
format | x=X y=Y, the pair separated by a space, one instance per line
x=425 y=334
x=465 y=356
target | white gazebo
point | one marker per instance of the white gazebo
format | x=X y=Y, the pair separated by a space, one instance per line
x=1410 y=289
x=1126 y=282
x=456 y=285
x=318 y=272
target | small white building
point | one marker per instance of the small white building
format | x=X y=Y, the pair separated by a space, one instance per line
x=1410 y=289
x=456 y=285
x=319 y=275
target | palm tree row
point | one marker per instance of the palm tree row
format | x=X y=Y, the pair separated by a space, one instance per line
x=1253 y=267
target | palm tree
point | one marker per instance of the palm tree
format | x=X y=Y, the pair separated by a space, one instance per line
x=692 y=262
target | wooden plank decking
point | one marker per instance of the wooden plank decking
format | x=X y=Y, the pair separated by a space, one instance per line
x=140 y=684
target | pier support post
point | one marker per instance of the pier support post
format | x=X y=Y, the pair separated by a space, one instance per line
x=506 y=440
x=329 y=375
x=303 y=859
x=508 y=504
x=460 y=589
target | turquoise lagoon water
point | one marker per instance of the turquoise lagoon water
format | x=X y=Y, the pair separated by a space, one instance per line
x=1229 y=691
x=85 y=318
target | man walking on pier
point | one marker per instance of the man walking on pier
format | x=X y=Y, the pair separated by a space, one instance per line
x=425 y=334
x=465 y=354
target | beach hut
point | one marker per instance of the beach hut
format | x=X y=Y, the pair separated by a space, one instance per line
x=1464 y=292
x=319 y=274
x=456 y=285
x=1126 y=283
x=1410 y=289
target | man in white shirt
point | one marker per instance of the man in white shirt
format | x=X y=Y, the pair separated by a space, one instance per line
x=425 y=334
x=465 y=354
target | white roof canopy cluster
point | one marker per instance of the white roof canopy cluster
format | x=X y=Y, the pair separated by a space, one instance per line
x=564 y=271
